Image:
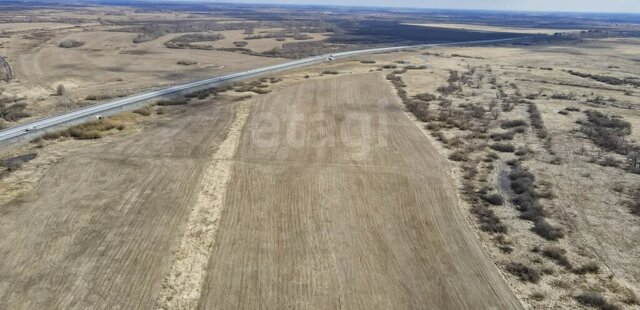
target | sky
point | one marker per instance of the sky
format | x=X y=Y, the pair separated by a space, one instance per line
x=622 y=6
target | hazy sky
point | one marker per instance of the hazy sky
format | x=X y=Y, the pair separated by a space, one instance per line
x=626 y=6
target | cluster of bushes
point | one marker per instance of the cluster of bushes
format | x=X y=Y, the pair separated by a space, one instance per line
x=595 y=300
x=562 y=96
x=367 y=61
x=536 y=120
x=523 y=272
x=144 y=111
x=13 y=112
x=558 y=255
x=489 y=221
x=205 y=93
x=605 y=79
x=185 y=41
x=419 y=104
x=330 y=72
x=513 y=123
x=453 y=84
x=527 y=201
x=287 y=33
x=607 y=132
x=86 y=131
x=173 y=101
x=503 y=147
x=98 y=97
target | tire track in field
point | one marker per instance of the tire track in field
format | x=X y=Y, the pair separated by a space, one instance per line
x=182 y=287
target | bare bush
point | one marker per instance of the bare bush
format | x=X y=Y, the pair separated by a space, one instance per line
x=546 y=230
x=14 y=112
x=489 y=221
x=595 y=300
x=70 y=43
x=558 y=255
x=185 y=62
x=503 y=147
x=240 y=43
x=590 y=267
x=144 y=111
x=60 y=90
x=524 y=273
x=513 y=123
x=494 y=199
x=174 y=101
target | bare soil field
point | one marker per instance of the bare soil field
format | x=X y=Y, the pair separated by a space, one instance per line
x=99 y=226
x=341 y=219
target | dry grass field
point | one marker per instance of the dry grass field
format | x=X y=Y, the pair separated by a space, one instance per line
x=98 y=228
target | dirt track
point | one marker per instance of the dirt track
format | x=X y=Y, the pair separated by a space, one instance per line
x=371 y=225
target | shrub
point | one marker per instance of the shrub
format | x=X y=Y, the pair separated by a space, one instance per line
x=503 y=147
x=240 y=44
x=590 y=267
x=459 y=156
x=563 y=112
x=330 y=72
x=174 y=101
x=367 y=61
x=524 y=273
x=426 y=97
x=70 y=43
x=60 y=90
x=558 y=255
x=494 y=199
x=595 y=300
x=187 y=62
x=546 y=230
x=500 y=136
x=97 y=97
x=607 y=132
x=13 y=112
x=488 y=220
x=144 y=111
x=513 y=123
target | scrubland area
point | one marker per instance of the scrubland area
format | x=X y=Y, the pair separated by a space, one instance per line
x=544 y=141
